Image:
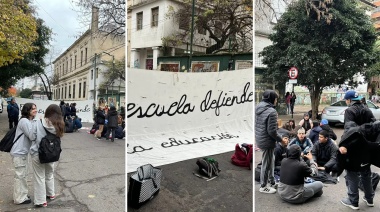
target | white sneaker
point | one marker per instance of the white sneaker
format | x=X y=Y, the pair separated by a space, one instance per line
x=267 y=190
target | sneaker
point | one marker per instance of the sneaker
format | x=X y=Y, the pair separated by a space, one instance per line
x=275 y=186
x=348 y=203
x=50 y=197
x=369 y=203
x=42 y=205
x=27 y=201
x=267 y=190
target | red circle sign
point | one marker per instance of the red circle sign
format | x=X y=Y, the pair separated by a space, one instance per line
x=293 y=73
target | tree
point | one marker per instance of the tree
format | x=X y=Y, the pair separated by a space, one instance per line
x=224 y=20
x=26 y=93
x=32 y=63
x=17 y=31
x=111 y=15
x=114 y=73
x=324 y=53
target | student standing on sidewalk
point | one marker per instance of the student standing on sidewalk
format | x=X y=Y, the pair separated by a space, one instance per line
x=13 y=112
x=20 y=150
x=356 y=152
x=266 y=137
x=43 y=174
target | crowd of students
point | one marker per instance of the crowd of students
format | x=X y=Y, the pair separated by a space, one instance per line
x=294 y=154
x=108 y=123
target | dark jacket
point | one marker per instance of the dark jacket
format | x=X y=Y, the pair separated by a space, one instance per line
x=100 y=117
x=266 y=126
x=358 y=150
x=332 y=135
x=314 y=134
x=358 y=113
x=293 y=173
x=112 y=119
x=13 y=110
x=306 y=145
x=73 y=111
x=279 y=154
x=325 y=154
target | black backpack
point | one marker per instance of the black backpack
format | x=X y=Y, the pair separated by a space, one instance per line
x=7 y=142
x=50 y=148
x=208 y=167
x=69 y=125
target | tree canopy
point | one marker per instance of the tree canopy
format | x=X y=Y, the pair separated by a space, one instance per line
x=325 y=53
x=17 y=31
x=32 y=63
x=222 y=19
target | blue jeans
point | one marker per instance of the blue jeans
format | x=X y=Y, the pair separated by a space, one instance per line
x=352 y=183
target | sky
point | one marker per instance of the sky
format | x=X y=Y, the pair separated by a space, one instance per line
x=61 y=17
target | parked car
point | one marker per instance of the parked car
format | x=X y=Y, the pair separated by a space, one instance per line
x=335 y=112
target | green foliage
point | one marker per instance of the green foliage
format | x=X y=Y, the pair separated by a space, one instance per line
x=26 y=93
x=324 y=53
x=32 y=63
x=17 y=31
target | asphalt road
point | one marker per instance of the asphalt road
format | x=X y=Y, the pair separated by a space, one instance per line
x=90 y=175
x=329 y=201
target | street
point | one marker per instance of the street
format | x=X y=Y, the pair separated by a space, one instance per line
x=332 y=193
x=90 y=175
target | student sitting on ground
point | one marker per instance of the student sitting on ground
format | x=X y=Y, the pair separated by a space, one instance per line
x=324 y=153
x=293 y=172
x=325 y=126
x=314 y=132
x=306 y=122
x=302 y=141
x=280 y=152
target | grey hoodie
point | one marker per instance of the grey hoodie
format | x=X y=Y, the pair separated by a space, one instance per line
x=22 y=145
x=41 y=133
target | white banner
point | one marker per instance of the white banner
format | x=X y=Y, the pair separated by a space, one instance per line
x=179 y=116
x=84 y=108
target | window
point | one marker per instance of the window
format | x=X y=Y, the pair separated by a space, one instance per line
x=184 y=22
x=74 y=91
x=81 y=58
x=218 y=29
x=84 y=89
x=139 y=18
x=80 y=90
x=85 y=55
x=154 y=17
x=97 y=73
x=63 y=69
x=75 y=62
x=92 y=74
x=69 y=91
x=65 y=92
x=67 y=66
x=71 y=64
x=62 y=93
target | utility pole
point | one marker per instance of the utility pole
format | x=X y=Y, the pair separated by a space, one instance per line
x=95 y=79
x=192 y=34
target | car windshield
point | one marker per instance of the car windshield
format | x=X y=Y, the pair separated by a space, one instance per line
x=340 y=103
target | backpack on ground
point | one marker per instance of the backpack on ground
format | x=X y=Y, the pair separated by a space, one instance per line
x=208 y=167
x=375 y=180
x=243 y=155
x=8 y=141
x=50 y=148
x=69 y=125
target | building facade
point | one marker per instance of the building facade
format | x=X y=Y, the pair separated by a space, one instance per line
x=79 y=70
x=149 y=24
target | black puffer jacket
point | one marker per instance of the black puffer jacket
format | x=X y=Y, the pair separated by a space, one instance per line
x=358 y=113
x=112 y=118
x=100 y=117
x=266 y=126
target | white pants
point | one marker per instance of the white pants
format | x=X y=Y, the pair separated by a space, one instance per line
x=20 y=189
x=43 y=180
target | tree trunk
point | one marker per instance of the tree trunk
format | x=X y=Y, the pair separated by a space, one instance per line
x=315 y=96
x=48 y=93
